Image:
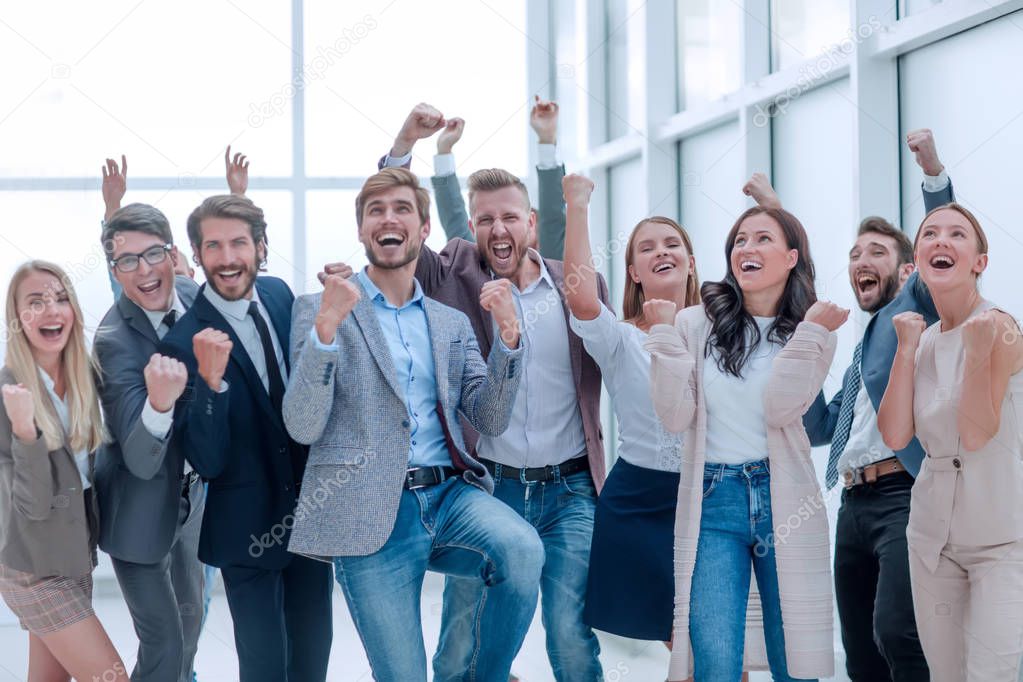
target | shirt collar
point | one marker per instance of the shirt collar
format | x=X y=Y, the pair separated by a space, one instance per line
x=156 y=316
x=377 y=296
x=239 y=310
x=545 y=275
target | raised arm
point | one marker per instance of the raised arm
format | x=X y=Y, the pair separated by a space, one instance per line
x=799 y=369
x=936 y=186
x=759 y=188
x=993 y=353
x=543 y=119
x=895 y=413
x=447 y=191
x=237 y=171
x=581 y=294
x=114 y=186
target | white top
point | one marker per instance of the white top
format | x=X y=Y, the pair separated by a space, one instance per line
x=546 y=426
x=617 y=347
x=865 y=445
x=64 y=413
x=736 y=432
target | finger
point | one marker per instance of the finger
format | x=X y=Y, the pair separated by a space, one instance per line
x=237 y=156
x=246 y=166
x=103 y=170
x=124 y=165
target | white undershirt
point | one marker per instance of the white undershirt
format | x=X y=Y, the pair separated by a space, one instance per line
x=64 y=414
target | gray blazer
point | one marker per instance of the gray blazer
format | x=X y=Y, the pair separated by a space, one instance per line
x=138 y=478
x=47 y=527
x=349 y=406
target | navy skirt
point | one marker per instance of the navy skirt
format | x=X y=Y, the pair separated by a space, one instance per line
x=631 y=587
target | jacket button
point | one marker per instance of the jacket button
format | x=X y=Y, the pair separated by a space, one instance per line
x=956 y=463
x=404 y=423
x=287 y=486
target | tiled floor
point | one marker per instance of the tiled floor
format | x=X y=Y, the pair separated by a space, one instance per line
x=624 y=660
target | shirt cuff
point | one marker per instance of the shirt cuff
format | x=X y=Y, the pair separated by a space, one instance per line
x=319 y=344
x=157 y=423
x=397 y=161
x=936 y=183
x=444 y=164
x=547 y=156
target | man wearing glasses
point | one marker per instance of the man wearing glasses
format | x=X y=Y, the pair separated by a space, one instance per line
x=151 y=501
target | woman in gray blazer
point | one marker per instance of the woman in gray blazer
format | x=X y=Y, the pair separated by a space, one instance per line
x=50 y=428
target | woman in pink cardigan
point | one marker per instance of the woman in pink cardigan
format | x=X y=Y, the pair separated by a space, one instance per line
x=736 y=374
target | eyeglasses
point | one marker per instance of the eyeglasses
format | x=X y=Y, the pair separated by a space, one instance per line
x=129 y=262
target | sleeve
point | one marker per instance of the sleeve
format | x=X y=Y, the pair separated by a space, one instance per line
x=936 y=192
x=822 y=417
x=157 y=423
x=603 y=337
x=547 y=156
x=672 y=376
x=447 y=193
x=396 y=162
x=31 y=472
x=488 y=388
x=797 y=374
x=551 y=207
x=309 y=398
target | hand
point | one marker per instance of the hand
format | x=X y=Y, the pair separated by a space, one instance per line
x=21 y=411
x=212 y=348
x=577 y=189
x=496 y=298
x=921 y=143
x=908 y=328
x=543 y=119
x=165 y=381
x=451 y=134
x=340 y=269
x=827 y=315
x=339 y=298
x=237 y=171
x=759 y=187
x=659 y=311
x=422 y=122
x=979 y=334
x=115 y=184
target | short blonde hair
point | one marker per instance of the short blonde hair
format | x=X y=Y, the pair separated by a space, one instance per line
x=390 y=178
x=493 y=179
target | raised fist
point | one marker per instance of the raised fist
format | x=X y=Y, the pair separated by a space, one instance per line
x=577 y=189
x=212 y=349
x=451 y=134
x=337 y=268
x=165 y=381
x=543 y=119
x=909 y=326
x=339 y=298
x=421 y=122
x=496 y=297
x=20 y=410
x=921 y=143
x=759 y=187
x=659 y=311
x=827 y=315
x=979 y=333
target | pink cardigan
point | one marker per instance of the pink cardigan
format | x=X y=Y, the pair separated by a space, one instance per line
x=802 y=547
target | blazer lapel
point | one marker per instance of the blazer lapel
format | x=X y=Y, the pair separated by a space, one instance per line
x=374 y=335
x=135 y=318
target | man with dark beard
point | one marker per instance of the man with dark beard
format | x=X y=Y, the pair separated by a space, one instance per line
x=872 y=583
x=234 y=341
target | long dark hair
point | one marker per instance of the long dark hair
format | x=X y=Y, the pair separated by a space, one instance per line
x=731 y=324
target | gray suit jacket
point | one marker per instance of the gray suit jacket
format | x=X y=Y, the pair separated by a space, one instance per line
x=348 y=405
x=138 y=477
x=47 y=528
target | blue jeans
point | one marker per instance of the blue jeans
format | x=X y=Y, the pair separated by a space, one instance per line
x=736 y=533
x=455 y=529
x=562 y=513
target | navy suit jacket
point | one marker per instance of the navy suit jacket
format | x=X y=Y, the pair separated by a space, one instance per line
x=877 y=356
x=237 y=441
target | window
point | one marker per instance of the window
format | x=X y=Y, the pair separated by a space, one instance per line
x=801 y=29
x=709 y=47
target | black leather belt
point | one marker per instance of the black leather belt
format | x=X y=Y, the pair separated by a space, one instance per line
x=550 y=472
x=422 y=477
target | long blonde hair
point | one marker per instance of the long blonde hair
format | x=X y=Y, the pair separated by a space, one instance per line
x=86 y=430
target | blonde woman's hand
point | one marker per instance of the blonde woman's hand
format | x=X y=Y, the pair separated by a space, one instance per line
x=20 y=410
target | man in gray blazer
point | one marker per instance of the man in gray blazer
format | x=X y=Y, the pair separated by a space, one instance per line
x=379 y=376
x=151 y=502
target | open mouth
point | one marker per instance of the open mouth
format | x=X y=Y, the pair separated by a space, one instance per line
x=750 y=266
x=942 y=262
x=867 y=282
x=51 y=332
x=390 y=239
x=149 y=287
x=501 y=250
x=229 y=276
x=664 y=267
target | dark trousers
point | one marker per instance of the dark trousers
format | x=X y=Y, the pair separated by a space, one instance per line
x=282 y=620
x=872 y=584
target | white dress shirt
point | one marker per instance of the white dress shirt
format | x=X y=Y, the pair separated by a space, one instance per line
x=63 y=413
x=237 y=315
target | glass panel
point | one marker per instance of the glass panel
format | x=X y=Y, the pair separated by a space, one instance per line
x=801 y=29
x=369 y=63
x=624 y=53
x=908 y=7
x=709 y=44
x=111 y=78
x=625 y=188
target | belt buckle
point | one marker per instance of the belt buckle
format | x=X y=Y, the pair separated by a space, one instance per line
x=409 y=479
x=870 y=473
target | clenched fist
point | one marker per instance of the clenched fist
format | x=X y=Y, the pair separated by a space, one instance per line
x=921 y=143
x=908 y=328
x=827 y=315
x=543 y=119
x=979 y=333
x=165 y=381
x=339 y=298
x=421 y=122
x=497 y=298
x=21 y=411
x=659 y=311
x=337 y=268
x=451 y=134
x=577 y=189
x=759 y=187
x=212 y=349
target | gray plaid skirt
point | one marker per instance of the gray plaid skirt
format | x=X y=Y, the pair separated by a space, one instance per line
x=45 y=605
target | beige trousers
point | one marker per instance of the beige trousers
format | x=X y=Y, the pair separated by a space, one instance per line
x=969 y=612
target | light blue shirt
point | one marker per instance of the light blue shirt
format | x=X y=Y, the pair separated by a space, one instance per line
x=407 y=332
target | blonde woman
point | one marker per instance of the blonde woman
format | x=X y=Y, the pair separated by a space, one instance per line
x=50 y=428
x=958 y=386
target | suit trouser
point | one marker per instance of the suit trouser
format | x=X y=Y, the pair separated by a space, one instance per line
x=165 y=599
x=282 y=620
x=872 y=584
x=969 y=612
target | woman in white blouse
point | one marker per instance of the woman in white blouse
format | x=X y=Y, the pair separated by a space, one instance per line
x=631 y=554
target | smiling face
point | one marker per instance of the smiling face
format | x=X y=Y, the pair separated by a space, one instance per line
x=45 y=312
x=504 y=226
x=391 y=229
x=659 y=262
x=874 y=270
x=151 y=287
x=760 y=257
x=229 y=256
x=949 y=250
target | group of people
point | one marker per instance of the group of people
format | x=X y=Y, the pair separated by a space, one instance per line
x=440 y=411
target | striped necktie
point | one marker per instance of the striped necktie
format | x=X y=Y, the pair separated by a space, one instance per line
x=845 y=418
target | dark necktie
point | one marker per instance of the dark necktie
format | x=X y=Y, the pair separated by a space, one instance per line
x=843 y=426
x=273 y=370
x=168 y=321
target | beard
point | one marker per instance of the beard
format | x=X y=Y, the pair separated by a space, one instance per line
x=246 y=280
x=519 y=255
x=411 y=254
x=888 y=289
